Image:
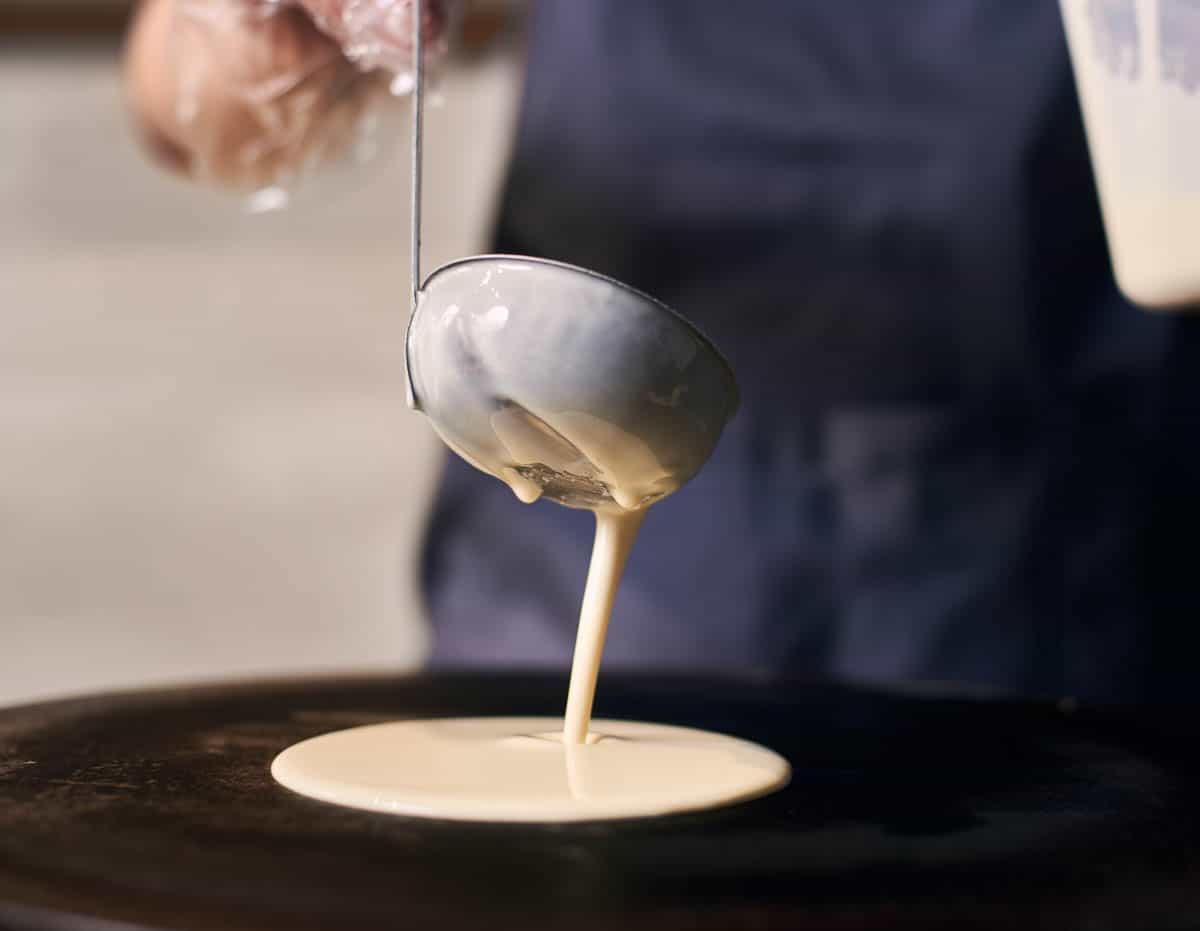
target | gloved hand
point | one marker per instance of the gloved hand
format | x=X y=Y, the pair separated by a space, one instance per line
x=259 y=93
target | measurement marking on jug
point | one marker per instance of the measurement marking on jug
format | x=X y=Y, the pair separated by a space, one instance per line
x=1179 y=43
x=1116 y=37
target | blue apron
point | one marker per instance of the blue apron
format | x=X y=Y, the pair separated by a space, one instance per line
x=961 y=454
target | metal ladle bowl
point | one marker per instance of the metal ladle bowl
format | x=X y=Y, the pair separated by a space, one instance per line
x=565 y=383
x=562 y=382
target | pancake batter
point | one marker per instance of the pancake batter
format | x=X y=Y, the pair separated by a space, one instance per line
x=538 y=769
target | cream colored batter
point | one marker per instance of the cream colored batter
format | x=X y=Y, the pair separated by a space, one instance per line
x=519 y=770
x=538 y=769
x=615 y=533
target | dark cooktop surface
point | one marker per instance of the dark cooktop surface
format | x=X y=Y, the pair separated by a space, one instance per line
x=905 y=811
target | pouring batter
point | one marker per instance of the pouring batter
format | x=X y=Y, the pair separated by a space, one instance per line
x=567 y=385
x=538 y=769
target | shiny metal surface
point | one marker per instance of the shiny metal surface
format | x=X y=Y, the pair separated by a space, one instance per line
x=565 y=383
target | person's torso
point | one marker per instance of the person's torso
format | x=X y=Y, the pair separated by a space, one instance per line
x=884 y=214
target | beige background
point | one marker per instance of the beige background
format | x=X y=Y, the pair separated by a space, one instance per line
x=206 y=465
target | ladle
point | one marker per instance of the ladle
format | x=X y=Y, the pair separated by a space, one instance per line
x=562 y=382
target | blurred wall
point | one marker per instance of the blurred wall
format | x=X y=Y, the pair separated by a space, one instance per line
x=206 y=465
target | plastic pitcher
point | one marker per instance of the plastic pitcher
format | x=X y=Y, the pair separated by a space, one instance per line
x=1137 y=67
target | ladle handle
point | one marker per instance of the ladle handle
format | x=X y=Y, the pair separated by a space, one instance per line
x=418 y=110
x=418 y=121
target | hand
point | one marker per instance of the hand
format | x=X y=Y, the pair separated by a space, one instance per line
x=251 y=93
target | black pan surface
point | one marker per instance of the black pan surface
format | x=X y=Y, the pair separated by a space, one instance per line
x=157 y=810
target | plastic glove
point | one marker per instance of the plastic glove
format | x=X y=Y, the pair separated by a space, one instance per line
x=258 y=94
